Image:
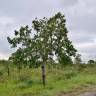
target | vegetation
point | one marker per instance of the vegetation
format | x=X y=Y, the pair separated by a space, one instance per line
x=91 y=62
x=36 y=48
x=78 y=59
x=49 y=40
x=29 y=83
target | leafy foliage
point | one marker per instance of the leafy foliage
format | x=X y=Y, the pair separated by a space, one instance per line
x=49 y=40
x=91 y=62
x=78 y=59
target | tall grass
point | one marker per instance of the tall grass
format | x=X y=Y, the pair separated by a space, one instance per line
x=29 y=82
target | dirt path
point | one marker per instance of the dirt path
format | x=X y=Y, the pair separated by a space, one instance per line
x=81 y=91
x=88 y=94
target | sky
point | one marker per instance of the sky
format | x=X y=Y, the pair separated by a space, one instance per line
x=80 y=21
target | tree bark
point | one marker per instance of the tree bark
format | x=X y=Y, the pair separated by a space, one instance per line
x=8 y=70
x=43 y=75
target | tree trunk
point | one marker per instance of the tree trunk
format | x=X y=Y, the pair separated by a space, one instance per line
x=8 y=70
x=19 y=69
x=43 y=75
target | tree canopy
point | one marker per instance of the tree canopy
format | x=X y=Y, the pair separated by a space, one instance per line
x=50 y=39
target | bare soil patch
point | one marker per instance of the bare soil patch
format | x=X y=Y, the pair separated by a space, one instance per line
x=88 y=90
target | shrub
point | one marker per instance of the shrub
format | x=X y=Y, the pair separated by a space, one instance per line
x=24 y=78
x=1 y=71
x=26 y=84
x=82 y=67
x=69 y=74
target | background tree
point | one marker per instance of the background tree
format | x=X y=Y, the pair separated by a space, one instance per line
x=17 y=59
x=91 y=62
x=6 y=64
x=78 y=59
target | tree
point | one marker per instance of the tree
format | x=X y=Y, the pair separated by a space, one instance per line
x=17 y=59
x=8 y=67
x=91 y=62
x=50 y=39
x=78 y=59
x=6 y=64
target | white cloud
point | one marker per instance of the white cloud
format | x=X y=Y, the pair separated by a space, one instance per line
x=80 y=15
x=6 y=20
x=4 y=56
x=69 y=3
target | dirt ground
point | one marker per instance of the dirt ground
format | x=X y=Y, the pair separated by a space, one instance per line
x=88 y=90
x=88 y=94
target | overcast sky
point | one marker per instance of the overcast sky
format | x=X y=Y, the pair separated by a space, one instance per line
x=80 y=16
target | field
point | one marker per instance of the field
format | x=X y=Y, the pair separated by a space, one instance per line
x=59 y=81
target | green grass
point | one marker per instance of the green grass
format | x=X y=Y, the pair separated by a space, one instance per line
x=29 y=83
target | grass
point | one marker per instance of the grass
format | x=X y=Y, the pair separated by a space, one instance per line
x=29 y=82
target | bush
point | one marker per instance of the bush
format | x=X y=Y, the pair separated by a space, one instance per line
x=24 y=84
x=1 y=71
x=66 y=74
x=69 y=74
x=29 y=83
x=24 y=78
x=82 y=67
x=26 y=94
